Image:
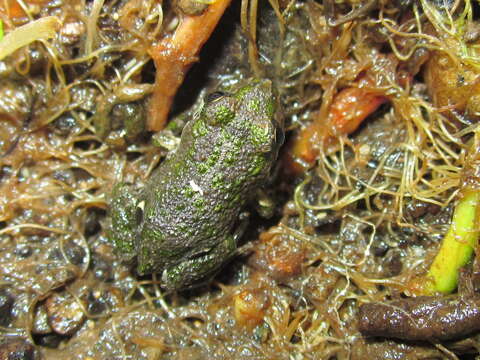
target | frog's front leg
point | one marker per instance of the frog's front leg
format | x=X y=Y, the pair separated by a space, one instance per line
x=124 y=219
x=201 y=268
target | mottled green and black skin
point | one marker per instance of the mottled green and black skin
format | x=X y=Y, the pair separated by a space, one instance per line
x=182 y=223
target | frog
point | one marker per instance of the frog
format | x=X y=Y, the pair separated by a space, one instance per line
x=185 y=223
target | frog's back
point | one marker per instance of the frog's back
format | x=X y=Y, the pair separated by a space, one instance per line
x=193 y=200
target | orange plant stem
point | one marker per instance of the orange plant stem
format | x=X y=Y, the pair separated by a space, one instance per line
x=348 y=110
x=174 y=56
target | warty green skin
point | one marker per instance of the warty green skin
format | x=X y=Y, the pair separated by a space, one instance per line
x=182 y=223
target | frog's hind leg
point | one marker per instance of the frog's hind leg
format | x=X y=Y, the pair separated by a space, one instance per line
x=201 y=268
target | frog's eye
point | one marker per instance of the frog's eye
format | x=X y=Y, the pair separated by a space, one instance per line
x=215 y=96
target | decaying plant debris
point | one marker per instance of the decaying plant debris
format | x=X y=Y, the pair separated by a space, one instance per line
x=360 y=203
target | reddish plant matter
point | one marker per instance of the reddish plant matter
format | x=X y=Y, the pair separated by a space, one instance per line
x=11 y=9
x=174 y=55
x=349 y=108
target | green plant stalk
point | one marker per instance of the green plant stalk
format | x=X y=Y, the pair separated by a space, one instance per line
x=458 y=244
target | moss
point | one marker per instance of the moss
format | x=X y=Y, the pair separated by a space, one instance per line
x=180 y=207
x=202 y=167
x=257 y=165
x=124 y=208
x=259 y=135
x=177 y=168
x=183 y=228
x=238 y=181
x=223 y=115
x=199 y=203
x=210 y=162
x=192 y=151
x=238 y=144
x=218 y=182
x=199 y=129
x=255 y=105
x=245 y=90
x=157 y=236
x=231 y=158
x=173 y=125
x=188 y=192
x=121 y=244
x=226 y=136
x=270 y=107
x=212 y=159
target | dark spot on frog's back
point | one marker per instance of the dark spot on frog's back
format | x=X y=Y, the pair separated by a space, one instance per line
x=139 y=215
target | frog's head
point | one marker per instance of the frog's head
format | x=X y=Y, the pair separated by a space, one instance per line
x=247 y=112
